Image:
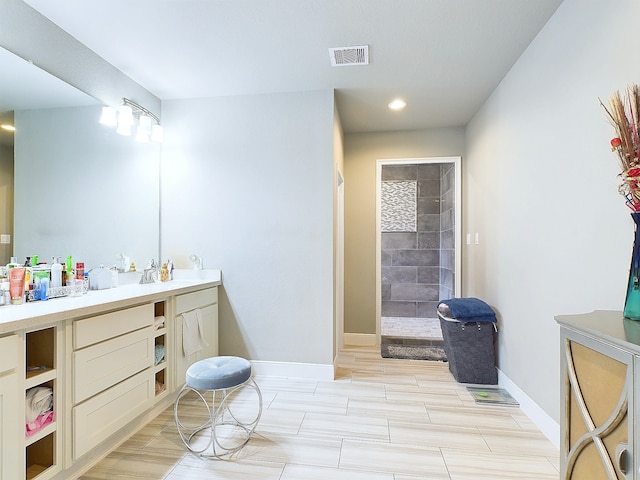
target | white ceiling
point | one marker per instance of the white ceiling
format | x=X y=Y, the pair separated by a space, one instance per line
x=444 y=57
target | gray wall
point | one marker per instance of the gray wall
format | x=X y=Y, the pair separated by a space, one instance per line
x=248 y=184
x=540 y=187
x=362 y=150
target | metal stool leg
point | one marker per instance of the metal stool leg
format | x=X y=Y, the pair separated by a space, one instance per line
x=220 y=419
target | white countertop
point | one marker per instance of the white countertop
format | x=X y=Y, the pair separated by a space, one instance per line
x=32 y=314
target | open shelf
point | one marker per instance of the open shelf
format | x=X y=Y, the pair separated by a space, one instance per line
x=40 y=455
x=40 y=356
x=35 y=378
x=160 y=340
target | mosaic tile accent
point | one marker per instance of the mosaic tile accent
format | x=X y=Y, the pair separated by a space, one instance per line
x=399 y=206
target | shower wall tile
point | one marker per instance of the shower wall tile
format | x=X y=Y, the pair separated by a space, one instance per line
x=428 y=223
x=446 y=293
x=385 y=290
x=428 y=240
x=398 y=309
x=447 y=239
x=398 y=206
x=447 y=177
x=447 y=231
x=414 y=292
x=447 y=259
x=415 y=258
x=429 y=170
x=447 y=218
x=430 y=205
x=427 y=309
x=399 y=172
x=447 y=277
x=412 y=275
x=399 y=275
x=429 y=188
x=396 y=241
x=448 y=197
x=430 y=275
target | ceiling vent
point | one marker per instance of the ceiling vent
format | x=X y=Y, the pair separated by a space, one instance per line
x=344 y=56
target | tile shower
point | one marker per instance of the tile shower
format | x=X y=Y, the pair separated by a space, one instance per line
x=417 y=238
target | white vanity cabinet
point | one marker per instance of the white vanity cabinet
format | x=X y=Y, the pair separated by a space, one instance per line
x=110 y=359
x=12 y=453
x=112 y=381
x=207 y=301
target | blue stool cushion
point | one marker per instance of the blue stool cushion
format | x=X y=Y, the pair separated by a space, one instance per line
x=216 y=373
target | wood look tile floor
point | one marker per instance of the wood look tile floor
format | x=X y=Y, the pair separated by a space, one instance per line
x=381 y=419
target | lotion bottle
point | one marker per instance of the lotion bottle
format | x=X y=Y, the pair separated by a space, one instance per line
x=56 y=274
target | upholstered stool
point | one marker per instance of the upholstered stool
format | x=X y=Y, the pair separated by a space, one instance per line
x=226 y=429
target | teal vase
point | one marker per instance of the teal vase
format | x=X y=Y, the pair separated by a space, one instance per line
x=632 y=301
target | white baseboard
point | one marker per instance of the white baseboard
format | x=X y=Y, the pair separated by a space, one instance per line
x=547 y=425
x=361 y=339
x=311 y=371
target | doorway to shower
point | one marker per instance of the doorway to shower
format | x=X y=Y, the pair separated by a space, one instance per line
x=418 y=248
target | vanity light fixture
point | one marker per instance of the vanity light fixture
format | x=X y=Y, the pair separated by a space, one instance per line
x=8 y=128
x=125 y=117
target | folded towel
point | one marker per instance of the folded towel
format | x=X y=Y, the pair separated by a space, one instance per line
x=192 y=332
x=468 y=310
x=38 y=400
x=159 y=354
x=39 y=423
x=159 y=322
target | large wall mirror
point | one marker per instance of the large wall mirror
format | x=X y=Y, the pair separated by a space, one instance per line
x=68 y=185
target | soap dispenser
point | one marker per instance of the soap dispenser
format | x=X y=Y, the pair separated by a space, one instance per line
x=164 y=273
x=56 y=273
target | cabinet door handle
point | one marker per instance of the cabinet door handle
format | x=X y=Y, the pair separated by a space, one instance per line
x=622 y=458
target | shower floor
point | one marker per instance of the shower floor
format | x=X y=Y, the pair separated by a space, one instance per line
x=411 y=328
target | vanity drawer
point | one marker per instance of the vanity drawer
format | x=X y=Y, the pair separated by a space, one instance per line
x=199 y=299
x=102 y=327
x=103 y=415
x=100 y=366
x=9 y=352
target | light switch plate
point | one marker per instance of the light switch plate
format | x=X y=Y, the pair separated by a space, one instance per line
x=5 y=238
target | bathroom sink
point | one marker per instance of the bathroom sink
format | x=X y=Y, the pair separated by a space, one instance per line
x=190 y=275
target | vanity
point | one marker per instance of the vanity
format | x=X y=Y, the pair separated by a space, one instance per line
x=113 y=359
x=600 y=362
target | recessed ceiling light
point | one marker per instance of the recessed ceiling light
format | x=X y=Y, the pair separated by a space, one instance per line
x=397 y=104
x=9 y=128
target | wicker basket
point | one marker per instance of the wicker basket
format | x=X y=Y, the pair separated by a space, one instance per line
x=470 y=350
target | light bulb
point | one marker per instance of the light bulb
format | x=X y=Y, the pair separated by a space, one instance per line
x=142 y=135
x=145 y=123
x=125 y=115
x=157 y=134
x=108 y=116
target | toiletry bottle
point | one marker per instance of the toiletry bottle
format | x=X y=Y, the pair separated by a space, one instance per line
x=56 y=273
x=4 y=291
x=164 y=273
x=170 y=268
x=114 y=276
x=44 y=288
x=13 y=263
x=79 y=270
x=70 y=276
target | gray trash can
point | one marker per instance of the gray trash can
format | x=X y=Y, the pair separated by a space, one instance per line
x=469 y=341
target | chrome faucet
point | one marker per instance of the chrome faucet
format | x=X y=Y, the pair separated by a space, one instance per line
x=148 y=276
